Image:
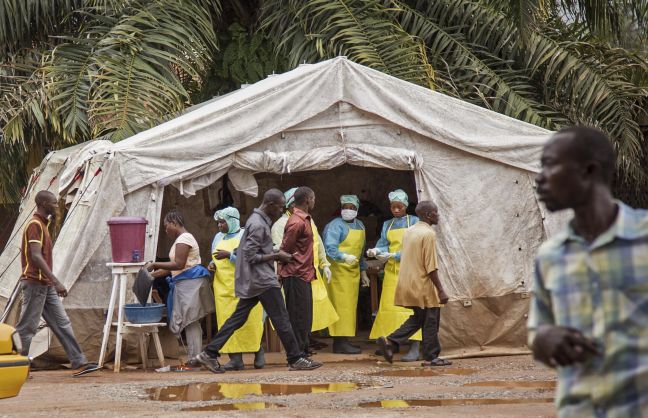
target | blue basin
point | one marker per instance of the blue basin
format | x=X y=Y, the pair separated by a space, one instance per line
x=138 y=314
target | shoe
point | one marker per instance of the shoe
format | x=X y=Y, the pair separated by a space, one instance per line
x=341 y=346
x=259 y=359
x=304 y=364
x=386 y=348
x=85 y=369
x=236 y=362
x=413 y=353
x=210 y=363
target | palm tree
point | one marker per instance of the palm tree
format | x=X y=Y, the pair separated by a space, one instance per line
x=74 y=70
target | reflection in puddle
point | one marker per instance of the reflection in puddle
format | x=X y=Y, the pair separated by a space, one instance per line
x=423 y=372
x=236 y=406
x=217 y=391
x=398 y=403
x=512 y=384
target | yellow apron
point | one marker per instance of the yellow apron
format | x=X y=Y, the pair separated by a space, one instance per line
x=390 y=317
x=345 y=285
x=246 y=339
x=323 y=311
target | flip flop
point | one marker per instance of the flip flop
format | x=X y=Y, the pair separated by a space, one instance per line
x=436 y=362
x=85 y=369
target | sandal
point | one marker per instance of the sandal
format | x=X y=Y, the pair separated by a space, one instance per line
x=436 y=362
x=85 y=369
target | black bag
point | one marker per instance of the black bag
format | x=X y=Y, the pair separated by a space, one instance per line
x=142 y=285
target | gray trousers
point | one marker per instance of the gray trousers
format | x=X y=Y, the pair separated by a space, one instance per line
x=193 y=333
x=39 y=300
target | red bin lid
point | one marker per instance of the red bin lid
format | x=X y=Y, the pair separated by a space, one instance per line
x=119 y=220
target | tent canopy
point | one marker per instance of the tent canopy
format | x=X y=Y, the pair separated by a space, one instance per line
x=477 y=165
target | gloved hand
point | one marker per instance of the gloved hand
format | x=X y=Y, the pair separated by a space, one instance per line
x=364 y=279
x=327 y=274
x=382 y=257
x=350 y=259
x=372 y=252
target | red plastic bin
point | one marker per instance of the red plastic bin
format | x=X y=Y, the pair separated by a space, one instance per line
x=127 y=238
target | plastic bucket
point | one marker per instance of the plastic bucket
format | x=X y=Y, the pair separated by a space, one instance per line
x=138 y=314
x=127 y=238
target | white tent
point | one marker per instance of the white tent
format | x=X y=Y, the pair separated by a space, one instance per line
x=477 y=165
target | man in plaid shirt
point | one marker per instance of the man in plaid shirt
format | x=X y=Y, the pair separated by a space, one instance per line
x=589 y=313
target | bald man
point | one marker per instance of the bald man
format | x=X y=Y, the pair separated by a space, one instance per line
x=256 y=282
x=42 y=290
x=419 y=288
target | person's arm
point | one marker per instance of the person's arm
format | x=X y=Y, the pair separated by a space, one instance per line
x=36 y=257
x=383 y=243
x=293 y=230
x=252 y=247
x=431 y=266
x=334 y=234
x=363 y=262
x=178 y=263
x=277 y=231
x=321 y=252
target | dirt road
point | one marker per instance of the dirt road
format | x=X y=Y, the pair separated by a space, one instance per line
x=510 y=386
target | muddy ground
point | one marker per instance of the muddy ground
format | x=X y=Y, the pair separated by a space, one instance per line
x=511 y=386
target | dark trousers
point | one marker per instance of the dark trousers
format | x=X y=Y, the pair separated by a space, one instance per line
x=273 y=303
x=299 y=302
x=427 y=319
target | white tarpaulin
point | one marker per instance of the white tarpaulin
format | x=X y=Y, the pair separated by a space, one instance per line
x=477 y=165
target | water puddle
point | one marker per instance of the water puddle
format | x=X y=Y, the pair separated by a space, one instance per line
x=236 y=406
x=424 y=372
x=399 y=403
x=217 y=391
x=512 y=384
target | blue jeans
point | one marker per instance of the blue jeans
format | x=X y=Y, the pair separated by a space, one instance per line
x=39 y=300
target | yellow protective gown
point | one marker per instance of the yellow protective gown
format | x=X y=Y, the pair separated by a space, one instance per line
x=345 y=285
x=390 y=317
x=246 y=339
x=324 y=313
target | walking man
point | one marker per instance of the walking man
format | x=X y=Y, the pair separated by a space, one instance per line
x=297 y=274
x=256 y=281
x=589 y=311
x=41 y=289
x=419 y=288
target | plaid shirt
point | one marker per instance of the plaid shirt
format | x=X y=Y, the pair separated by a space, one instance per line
x=601 y=289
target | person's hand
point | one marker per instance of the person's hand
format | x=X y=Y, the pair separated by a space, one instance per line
x=327 y=274
x=372 y=252
x=382 y=257
x=283 y=257
x=60 y=289
x=211 y=267
x=150 y=266
x=350 y=259
x=443 y=297
x=222 y=254
x=562 y=346
x=364 y=279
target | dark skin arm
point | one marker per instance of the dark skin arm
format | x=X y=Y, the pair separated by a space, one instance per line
x=36 y=256
x=181 y=255
x=561 y=346
x=443 y=297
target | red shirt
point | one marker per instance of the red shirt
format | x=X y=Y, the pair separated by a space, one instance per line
x=37 y=232
x=298 y=241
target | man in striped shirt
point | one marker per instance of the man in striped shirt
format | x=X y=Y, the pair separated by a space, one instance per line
x=589 y=313
x=41 y=289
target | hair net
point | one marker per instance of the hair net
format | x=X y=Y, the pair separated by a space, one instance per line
x=398 y=195
x=290 y=196
x=231 y=216
x=350 y=198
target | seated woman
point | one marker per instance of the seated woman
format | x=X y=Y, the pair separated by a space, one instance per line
x=246 y=339
x=189 y=298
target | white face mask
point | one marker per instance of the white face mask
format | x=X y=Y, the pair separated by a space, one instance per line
x=349 y=214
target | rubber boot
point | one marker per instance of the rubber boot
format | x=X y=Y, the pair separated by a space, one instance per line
x=341 y=346
x=413 y=353
x=259 y=359
x=235 y=363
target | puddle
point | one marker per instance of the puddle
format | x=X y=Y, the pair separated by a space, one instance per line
x=217 y=391
x=512 y=384
x=399 y=403
x=236 y=406
x=423 y=372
